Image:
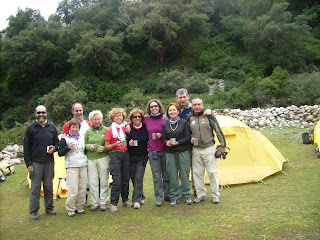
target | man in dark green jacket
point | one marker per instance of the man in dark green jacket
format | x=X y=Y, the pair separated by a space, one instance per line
x=202 y=127
x=40 y=142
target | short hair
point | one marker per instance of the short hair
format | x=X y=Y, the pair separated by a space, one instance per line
x=135 y=111
x=161 y=111
x=95 y=112
x=197 y=98
x=117 y=111
x=35 y=110
x=74 y=121
x=76 y=104
x=182 y=91
x=172 y=104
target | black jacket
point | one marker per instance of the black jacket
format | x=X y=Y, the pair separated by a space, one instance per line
x=142 y=136
x=36 y=140
x=181 y=133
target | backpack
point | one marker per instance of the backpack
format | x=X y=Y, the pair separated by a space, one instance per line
x=6 y=168
x=307 y=137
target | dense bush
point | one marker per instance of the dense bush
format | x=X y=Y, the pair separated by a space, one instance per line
x=170 y=81
x=13 y=135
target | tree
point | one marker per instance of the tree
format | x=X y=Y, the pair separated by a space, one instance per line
x=23 y=21
x=99 y=53
x=59 y=101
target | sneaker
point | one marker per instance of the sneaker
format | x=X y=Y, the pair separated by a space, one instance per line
x=50 y=211
x=113 y=208
x=79 y=210
x=142 y=201
x=71 y=213
x=174 y=203
x=34 y=216
x=158 y=203
x=94 y=208
x=103 y=207
x=136 y=205
x=188 y=201
x=215 y=200
x=127 y=203
x=199 y=199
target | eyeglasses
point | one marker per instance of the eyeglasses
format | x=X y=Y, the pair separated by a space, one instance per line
x=137 y=117
x=154 y=106
x=41 y=112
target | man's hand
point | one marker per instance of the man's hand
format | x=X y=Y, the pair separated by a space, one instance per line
x=207 y=112
x=52 y=149
x=30 y=168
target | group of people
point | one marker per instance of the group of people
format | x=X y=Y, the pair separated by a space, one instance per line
x=175 y=140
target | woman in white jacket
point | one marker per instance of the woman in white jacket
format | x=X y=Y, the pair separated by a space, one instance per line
x=72 y=147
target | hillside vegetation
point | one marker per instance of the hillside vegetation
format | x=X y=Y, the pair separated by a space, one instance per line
x=107 y=53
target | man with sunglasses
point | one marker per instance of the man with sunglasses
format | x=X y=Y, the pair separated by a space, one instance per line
x=40 y=142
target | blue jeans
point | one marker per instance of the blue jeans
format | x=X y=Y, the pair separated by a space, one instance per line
x=160 y=176
x=120 y=171
x=138 y=167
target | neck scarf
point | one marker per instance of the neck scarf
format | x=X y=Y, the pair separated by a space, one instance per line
x=155 y=115
x=120 y=136
x=75 y=136
x=174 y=122
x=184 y=107
x=97 y=128
x=137 y=127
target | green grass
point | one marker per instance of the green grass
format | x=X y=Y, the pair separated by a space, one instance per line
x=287 y=207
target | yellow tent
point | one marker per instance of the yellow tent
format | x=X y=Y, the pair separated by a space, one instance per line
x=317 y=138
x=59 y=181
x=252 y=157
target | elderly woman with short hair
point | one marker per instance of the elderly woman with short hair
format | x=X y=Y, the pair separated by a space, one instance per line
x=98 y=162
x=115 y=142
x=72 y=146
x=137 y=145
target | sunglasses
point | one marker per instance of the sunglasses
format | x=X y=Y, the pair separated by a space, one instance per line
x=41 y=112
x=154 y=106
x=137 y=117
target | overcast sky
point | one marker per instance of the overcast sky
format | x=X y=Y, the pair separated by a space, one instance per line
x=10 y=7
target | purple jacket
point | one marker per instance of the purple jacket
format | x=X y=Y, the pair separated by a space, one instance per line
x=154 y=125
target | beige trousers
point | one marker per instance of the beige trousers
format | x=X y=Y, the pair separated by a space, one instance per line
x=203 y=159
x=77 y=179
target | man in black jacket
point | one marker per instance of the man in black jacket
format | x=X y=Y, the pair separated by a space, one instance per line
x=40 y=142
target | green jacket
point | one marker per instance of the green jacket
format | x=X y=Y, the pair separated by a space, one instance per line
x=200 y=128
x=93 y=136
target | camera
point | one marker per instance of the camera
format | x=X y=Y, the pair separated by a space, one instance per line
x=219 y=153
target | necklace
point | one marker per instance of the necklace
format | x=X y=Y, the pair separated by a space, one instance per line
x=175 y=127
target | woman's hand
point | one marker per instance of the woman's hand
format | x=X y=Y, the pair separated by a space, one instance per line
x=159 y=135
x=92 y=147
x=131 y=143
x=71 y=145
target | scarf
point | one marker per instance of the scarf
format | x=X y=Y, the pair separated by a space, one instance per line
x=120 y=136
x=174 y=122
x=185 y=106
x=97 y=128
x=75 y=136
x=155 y=115
x=135 y=127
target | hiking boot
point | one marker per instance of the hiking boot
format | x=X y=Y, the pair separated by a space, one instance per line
x=174 y=203
x=158 y=203
x=127 y=204
x=199 y=199
x=34 y=216
x=50 y=211
x=79 y=210
x=113 y=208
x=71 y=214
x=103 y=207
x=188 y=201
x=94 y=208
x=142 y=202
x=136 y=205
x=215 y=200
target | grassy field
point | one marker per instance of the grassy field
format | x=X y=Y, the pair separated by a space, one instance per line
x=287 y=207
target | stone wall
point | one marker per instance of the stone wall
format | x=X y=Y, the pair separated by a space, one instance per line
x=304 y=116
